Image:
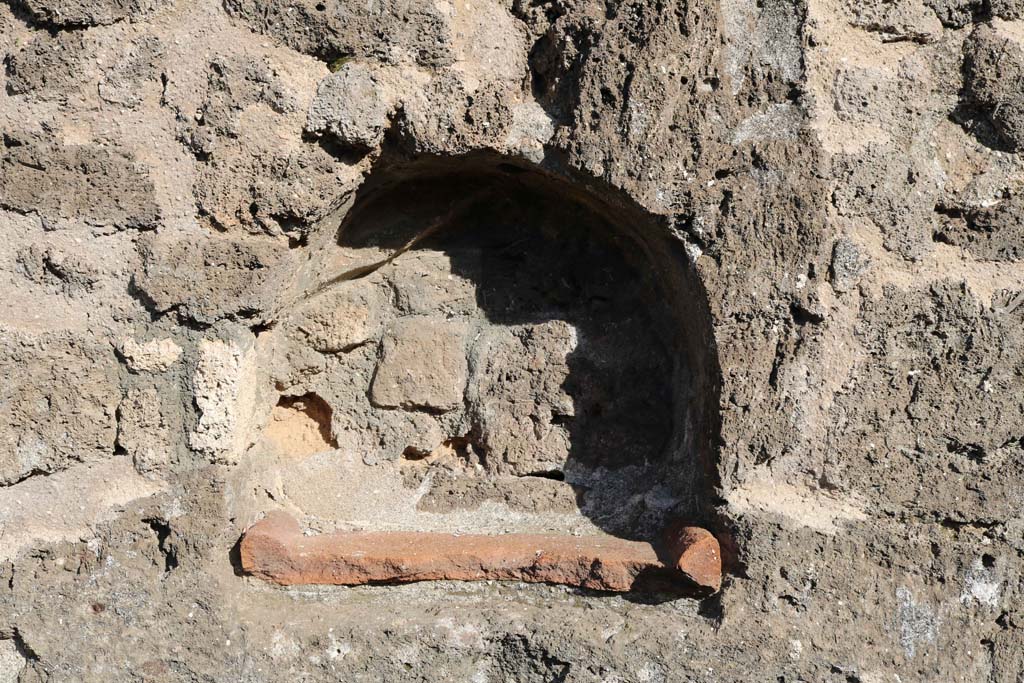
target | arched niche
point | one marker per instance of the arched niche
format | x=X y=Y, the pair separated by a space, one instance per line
x=510 y=336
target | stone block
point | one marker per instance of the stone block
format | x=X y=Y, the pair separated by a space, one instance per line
x=422 y=365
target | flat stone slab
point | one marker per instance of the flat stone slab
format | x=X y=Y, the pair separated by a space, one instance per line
x=275 y=549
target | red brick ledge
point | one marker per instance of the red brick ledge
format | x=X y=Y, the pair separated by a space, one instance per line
x=274 y=549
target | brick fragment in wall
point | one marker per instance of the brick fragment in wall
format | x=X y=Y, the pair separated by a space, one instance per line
x=697 y=554
x=276 y=550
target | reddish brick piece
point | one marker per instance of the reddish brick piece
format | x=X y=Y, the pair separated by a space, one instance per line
x=275 y=549
x=699 y=555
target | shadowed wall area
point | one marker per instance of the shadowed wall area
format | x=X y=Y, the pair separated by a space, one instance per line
x=537 y=348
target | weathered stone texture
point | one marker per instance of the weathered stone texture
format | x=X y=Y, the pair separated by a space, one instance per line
x=142 y=429
x=156 y=355
x=993 y=64
x=352 y=106
x=206 y=280
x=393 y=31
x=422 y=365
x=87 y=183
x=12 y=662
x=77 y=13
x=572 y=267
x=58 y=405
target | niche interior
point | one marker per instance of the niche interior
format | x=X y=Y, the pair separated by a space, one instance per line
x=484 y=347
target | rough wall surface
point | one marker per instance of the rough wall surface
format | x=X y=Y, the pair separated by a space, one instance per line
x=841 y=180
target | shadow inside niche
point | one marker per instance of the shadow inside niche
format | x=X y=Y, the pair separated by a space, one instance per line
x=588 y=352
x=976 y=119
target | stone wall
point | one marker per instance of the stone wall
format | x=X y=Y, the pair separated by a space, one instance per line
x=753 y=263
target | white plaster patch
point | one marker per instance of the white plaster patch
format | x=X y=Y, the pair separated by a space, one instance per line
x=337 y=649
x=917 y=623
x=1012 y=30
x=693 y=251
x=463 y=636
x=651 y=672
x=981 y=585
